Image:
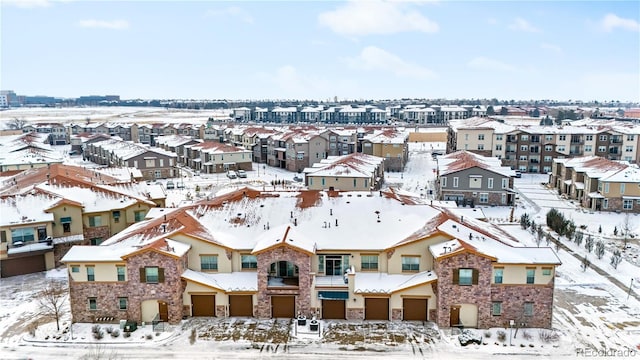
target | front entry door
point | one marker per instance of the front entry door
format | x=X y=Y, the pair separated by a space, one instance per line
x=163 y=310
x=455 y=316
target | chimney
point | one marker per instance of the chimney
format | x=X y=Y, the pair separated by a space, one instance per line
x=292 y=214
x=330 y=211
x=336 y=222
x=295 y=222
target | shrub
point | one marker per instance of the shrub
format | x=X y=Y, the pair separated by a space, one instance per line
x=527 y=335
x=193 y=336
x=96 y=329
x=548 y=336
x=98 y=335
x=115 y=333
x=109 y=329
x=149 y=336
x=126 y=334
x=502 y=336
x=487 y=333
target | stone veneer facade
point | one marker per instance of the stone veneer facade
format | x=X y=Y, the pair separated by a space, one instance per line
x=303 y=292
x=453 y=294
x=107 y=294
x=513 y=298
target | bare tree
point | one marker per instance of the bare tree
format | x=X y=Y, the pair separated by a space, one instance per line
x=16 y=124
x=52 y=299
x=626 y=230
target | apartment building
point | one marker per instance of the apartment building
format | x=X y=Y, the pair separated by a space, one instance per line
x=330 y=255
x=212 y=157
x=468 y=178
x=353 y=172
x=390 y=144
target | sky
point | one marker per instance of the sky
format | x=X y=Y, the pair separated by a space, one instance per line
x=320 y=50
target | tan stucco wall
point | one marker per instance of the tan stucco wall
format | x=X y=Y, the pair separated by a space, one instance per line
x=103 y=271
x=74 y=212
x=396 y=300
x=199 y=247
x=517 y=274
x=469 y=315
x=416 y=248
x=428 y=136
x=149 y=310
x=338 y=183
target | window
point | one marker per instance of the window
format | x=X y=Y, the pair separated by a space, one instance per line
x=466 y=276
x=75 y=268
x=562 y=137
x=480 y=146
x=546 y=271
x=524 y=148
x=93 y=303
x=528 y=309
x=122 y=303
x=480 y=136
x=603 y=137
x=524 y=137
x=531 y=275
x=561 y=148
x=443 y=182
x=120 y=270
x=249 y=261
x=622 y=188
x=505 y=183
x=588 y=148
x=484 y=198
x=606 y=187
x=66 y=227
x=602 y=149
x=499 y=147
x=455 y=182
x=589 y=137
x=209 y=262
x=321 y=264
x=548 y=148
x=410 y=263
x=96 y=241
x=369 y=262
x=138 y=215
x=151 y=275
x=497 y=275
x=22 y=235
x=548 y=137
x=466 y=136
x=547 y=159
x=627 y=204
x=490 y=183
x=496 y=308
x=95 y=221
x=499 y=137
x=605 y=203
x=161 y=162
x=91 y=273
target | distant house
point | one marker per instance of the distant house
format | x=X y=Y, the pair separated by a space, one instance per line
x=353 y=172
x=326 y=254
x=212 y=157
x=466 y=177
x=390 y=144
x=26 y=151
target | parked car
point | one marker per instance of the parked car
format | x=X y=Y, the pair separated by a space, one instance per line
x=171 y=185
x=518 y=174
x=231 y=174
x=241 y=173
x=297 y=178
x=180 y=185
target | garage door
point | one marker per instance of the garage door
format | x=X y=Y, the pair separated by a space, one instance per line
x=333 y=309
x=22 y=265
x=203 y=305
x=376 y=309
x=240 y=305
x=414 y=309
x=283 y=306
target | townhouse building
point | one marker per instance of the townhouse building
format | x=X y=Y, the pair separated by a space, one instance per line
x=56 y=132
x=353 y=172
x=212 y=157
x=331 y=255
x=46 y=211
x=154 y=163
x=176 y=144
x=599 y=184
x=26 y=151
x=468 y=178
x=390 y=144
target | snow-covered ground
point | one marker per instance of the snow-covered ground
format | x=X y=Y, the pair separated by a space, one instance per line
x=590 y=312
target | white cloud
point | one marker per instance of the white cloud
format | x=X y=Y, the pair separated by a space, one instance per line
x=520 y=24
x=374 y=58
x=375 y=17
x=551 y=47
x=612 y=21
x=232 y=11
x=103 y=24
x=485 y=63
x=27 y=4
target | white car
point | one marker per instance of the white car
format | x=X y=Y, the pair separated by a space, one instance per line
x=241 y=173
x=231 y=174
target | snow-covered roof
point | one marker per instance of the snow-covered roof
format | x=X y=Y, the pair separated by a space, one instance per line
x=229 y=282
x=18 y=210
x=91 y=200
x=284 y=235
x=602 y=168
x=383 y=283
x=127 y=150
x=352 y=165
x=462 y=160
x=173 y=140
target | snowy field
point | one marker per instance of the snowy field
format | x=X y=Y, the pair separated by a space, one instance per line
x=591 y=313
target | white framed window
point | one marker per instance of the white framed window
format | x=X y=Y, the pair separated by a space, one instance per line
x=496 y=308
x=622 y=188
x=602 y=149
x=588 y=148
x=505 y=183
x=562 y=137
x=480 y=146
x=455 y=182
x=484 y=198
x=528 y=309
x=490 y=183
x=480 y=136
x=443 y=181
x=589 y=137
x=627 y=204
x=603 y=137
